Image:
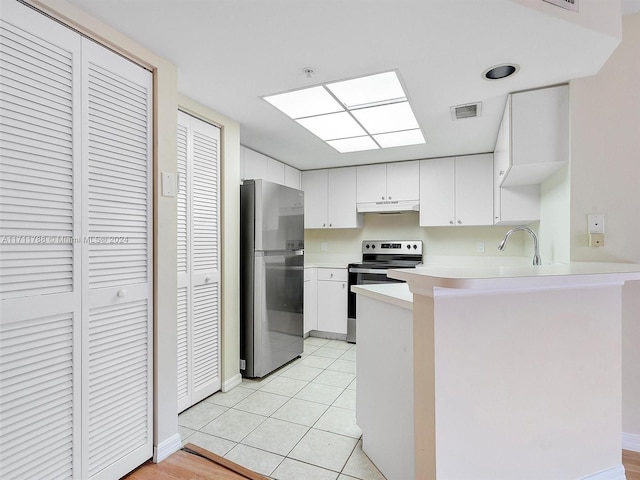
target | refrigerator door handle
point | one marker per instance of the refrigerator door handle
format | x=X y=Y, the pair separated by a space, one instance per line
x=279 y=253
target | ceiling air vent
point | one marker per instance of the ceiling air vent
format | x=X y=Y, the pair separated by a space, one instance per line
x=469 y=110
x=571 y=5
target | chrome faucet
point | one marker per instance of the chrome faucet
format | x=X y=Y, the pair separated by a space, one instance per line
x=536 y=252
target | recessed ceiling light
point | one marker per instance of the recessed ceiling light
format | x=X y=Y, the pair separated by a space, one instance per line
x=500 y=71
x=364 y=113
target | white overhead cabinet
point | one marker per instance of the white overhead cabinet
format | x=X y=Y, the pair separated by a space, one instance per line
x=330 y=198
x=386 y=183
x=254 y=165
x=76 y=287
x=533 y=140
x=456 y=191
x=532 y=144
x=198 y=260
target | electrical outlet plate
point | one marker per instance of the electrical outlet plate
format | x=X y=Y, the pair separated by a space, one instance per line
x=595 y=223
x=596 y=240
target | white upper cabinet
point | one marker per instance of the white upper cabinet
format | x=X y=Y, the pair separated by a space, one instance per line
x=392 y=182
x=456 y=191
x=275 y=171
x=292 y=177
x=330 y=198
x=254 y=165
x=533 y=141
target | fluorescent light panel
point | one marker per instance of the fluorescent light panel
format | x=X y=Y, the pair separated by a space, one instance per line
x=332 y=126
x=305 y=103
x=355 y=144
x=373 y=89
x=364 y=113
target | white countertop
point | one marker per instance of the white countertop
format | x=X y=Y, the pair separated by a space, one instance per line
x=426 y=278
x=395 y=293
x=325 y=265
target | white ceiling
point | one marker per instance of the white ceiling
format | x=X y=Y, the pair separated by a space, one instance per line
x=230 y=53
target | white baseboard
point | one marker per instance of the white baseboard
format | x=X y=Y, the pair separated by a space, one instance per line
x=166 y=448
x=631 y=441
x=232 y=382
x=613 y=473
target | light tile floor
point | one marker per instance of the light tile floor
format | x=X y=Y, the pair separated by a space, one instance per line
x=298 y=423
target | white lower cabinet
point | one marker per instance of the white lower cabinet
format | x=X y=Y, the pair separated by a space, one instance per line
x=310 y=300
x=332 y=300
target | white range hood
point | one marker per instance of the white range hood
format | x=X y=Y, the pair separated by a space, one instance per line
x=388 y=207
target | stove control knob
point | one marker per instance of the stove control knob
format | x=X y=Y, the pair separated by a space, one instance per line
x=415 y=247
x=409 y=246
x=373 y=246
x=367 y=246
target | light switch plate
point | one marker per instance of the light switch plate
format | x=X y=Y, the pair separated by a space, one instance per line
x=168 y=184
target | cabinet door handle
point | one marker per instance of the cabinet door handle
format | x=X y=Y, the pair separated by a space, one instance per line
x=382 y=198
x=122 y=293
x=389 y=197
x=459 y=222
x=343 y=286
x=331 y=275
x=451 y=222
x=331 y=224
x=207 y=279
x=324 y=224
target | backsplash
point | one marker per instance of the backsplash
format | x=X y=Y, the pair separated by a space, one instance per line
x=344 y=245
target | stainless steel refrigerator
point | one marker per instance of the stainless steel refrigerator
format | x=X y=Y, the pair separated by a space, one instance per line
x=271 y=276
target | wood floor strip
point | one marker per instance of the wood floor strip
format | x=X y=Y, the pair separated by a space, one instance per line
x=631 y=462
x=202 y=464
x=199 y=465
x=239 y=469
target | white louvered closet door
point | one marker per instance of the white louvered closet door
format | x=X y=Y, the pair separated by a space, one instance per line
x=75 y=192
x=117 y=264
x=198 y=261
x=39 y=263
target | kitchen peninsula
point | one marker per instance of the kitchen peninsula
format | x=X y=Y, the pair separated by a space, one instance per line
x=516 y=370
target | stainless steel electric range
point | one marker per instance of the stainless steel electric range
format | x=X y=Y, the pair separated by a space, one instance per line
x=378 y=256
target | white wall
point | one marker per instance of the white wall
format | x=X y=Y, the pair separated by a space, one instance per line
x=605 y=178
x=555 y=213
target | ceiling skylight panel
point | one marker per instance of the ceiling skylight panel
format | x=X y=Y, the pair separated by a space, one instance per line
x=373 y=89
x=356 y=144
x=332 y=126
x=400 y=139
x=305 y=103
x=387 y=118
